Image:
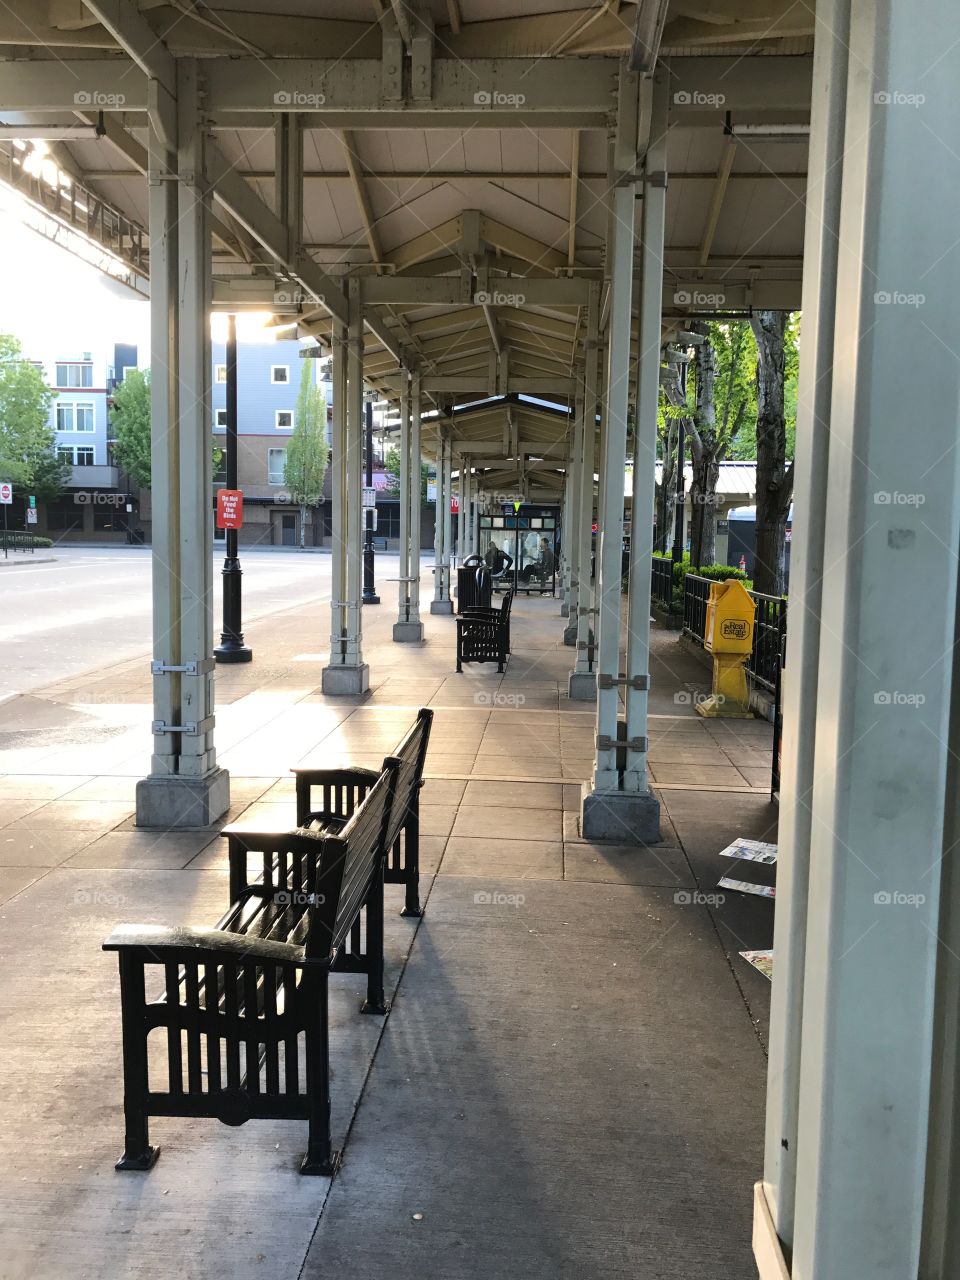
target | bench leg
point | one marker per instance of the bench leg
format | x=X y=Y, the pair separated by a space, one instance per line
x=375 y=1001
x=138 y=1156
x=321 y=1160
x=411 y=861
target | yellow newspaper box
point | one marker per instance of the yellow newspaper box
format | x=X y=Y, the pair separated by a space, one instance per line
x=728 y=635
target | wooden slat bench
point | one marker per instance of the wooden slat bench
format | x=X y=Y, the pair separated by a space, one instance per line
x=326 y=798
x=483 y=635
x=244 y=1000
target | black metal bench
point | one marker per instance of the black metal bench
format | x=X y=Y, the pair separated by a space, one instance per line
x=326 y=799
x=483 y=635
x=248 y=998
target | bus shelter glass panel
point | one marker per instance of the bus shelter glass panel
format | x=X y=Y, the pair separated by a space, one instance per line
x=521 y=548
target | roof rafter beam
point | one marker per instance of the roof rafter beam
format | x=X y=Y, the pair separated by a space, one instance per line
x=124 y=21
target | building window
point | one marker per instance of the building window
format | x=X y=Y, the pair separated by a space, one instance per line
x=284 y=420
x=74 y=375
x=280 y=373
x=84 y=457
x=275 y=463
x=72 y=416
x=221 y=373
x=221 y=422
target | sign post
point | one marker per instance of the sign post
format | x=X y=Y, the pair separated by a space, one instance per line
x=6 y=497
x=230 y=517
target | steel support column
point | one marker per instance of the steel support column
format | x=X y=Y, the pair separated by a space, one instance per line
x=441 y=555
x=185 y=787
x=867 y=1204
x=347 y=673
x=607 y=812
x=408 y=629
x=582 y=683
x=635 y=777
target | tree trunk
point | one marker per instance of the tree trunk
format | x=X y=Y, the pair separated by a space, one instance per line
x=303 y=525
x=774 y=475
x=667 y=489
x=705 y=450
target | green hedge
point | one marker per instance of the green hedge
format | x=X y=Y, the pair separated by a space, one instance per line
x=715 y=572
x=14 y=538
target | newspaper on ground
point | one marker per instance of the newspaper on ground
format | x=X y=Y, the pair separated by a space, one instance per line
x=762 y=960
x=750 y=851
x=746 y=886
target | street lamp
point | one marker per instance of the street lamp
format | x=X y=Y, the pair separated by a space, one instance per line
x=231 y=647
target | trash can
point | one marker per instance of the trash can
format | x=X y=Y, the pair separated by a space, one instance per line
x=474 y=584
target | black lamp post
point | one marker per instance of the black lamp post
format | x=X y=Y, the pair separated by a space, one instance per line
x=679 y=510
x=369 y=590
x=231 y=647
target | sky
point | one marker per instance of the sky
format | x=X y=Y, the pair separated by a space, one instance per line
x=56 y=303
x=52 y=299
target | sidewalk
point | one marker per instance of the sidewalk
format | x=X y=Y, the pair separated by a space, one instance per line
x=570 y=1081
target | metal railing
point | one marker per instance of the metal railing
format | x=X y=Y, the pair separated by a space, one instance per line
x=770 y=627
x=14 y=540
x=661 y=581
x=696 y=592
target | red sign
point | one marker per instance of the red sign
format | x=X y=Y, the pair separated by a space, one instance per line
x=229 y=509
x=455 y=505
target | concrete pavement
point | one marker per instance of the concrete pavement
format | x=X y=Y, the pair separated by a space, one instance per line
x=567 y=1085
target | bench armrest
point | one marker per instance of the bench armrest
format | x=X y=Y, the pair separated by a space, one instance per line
x=361 y=780
x=167 y=942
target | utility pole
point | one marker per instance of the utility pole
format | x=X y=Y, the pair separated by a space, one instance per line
x=679 y=515
x=231 y=647
x=369 y=590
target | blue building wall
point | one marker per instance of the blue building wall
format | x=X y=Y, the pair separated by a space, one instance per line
x=259 y=397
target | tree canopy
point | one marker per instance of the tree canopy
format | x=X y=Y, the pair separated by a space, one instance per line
x=27 y=440
x=130 y=420
x=305 y=464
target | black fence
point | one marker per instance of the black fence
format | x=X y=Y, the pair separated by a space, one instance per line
x=696 y=593
x=661 y=581
x=13 y=540
x=770 y=628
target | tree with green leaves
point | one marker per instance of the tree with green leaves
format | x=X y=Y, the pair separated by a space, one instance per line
x=130 y=421
x=391 y=469
x=305 y=464
x=776 y=338
x=27 y=440
x=130 y=426
x=724 y=398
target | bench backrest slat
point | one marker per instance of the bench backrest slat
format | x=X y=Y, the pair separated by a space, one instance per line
x=349 y=863
x=410 y=757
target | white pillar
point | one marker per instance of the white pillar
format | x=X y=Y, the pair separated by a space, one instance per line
x=416 y=497
x=347 y=672
x=807 y=559
x=571 y=527
x=447 y=518
x=441 y=555
x=338 y=497
x=644 y=820
x=408 y=629
x=582 y=682
x=883 y=732
x=185 y=787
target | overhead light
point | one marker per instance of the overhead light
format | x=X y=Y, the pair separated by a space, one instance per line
x=647 y=34
x=766 y=132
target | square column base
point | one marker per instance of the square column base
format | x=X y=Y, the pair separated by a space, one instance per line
x=564 y=610
x=441 y=606
x=623 y=816
x=345 y=681
x=570 y=635
x=583 y=686
x=408 y=632
x=167 y=803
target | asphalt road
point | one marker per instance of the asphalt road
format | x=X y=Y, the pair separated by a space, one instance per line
x=92 y=605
